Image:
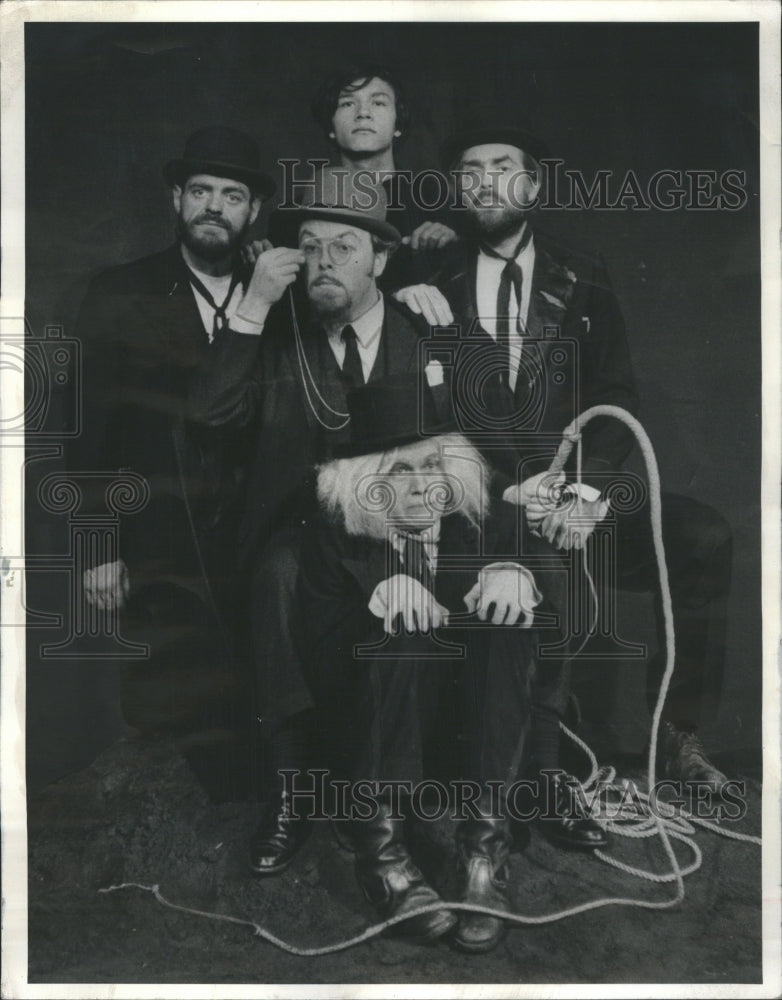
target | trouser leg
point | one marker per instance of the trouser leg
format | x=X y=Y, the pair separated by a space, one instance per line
x=698 y=553
x=283 y=701
x=393 y=700
x=495 y=690
x=281 y=683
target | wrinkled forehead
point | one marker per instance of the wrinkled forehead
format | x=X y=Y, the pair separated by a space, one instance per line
x=414 y=455
x=489 y=154
x=320 y=229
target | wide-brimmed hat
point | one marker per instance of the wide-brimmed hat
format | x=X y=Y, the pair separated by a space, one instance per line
x=399 y=410
x=222 y=152
x=336 y=195
x=480 y=128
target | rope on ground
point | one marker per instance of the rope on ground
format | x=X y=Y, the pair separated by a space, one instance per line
x=635 y=820
x=380 y=928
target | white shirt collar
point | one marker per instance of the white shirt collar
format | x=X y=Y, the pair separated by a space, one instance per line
x=369 y=324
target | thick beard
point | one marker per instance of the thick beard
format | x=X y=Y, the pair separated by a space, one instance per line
x=496 y=226
x=207 y=249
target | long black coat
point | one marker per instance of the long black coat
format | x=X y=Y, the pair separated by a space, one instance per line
x=293 y=399
x=575 y=356
x=143 y=342
x=379 y=695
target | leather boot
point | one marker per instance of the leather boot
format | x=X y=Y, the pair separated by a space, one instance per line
x=390 y=879
x=484 y=846
x=684 y=759
x=570 y=828
x=278 y=838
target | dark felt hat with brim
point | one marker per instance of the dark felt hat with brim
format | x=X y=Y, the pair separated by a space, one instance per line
x=399 y=410
x=221 y=152
x=480 y=129
x=336 y=195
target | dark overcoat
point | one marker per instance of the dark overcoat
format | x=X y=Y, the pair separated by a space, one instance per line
x=287 y=389
x=575 y=356
x=380 y=697
x=143 y=342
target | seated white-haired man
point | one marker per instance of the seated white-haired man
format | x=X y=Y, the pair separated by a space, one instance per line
x=412 y=589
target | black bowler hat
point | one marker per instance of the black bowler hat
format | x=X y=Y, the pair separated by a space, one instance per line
x=399 y=410
x=480 y=128
x=222 y=152
x=336 y=195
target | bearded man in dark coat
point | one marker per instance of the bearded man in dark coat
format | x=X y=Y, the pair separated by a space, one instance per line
x=147 y=328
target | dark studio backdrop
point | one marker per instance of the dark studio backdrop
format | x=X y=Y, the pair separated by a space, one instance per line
x=108 y=104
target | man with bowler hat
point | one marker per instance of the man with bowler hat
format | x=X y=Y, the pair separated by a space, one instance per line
x=542 y=333
x=286 y=376
x=147 y=328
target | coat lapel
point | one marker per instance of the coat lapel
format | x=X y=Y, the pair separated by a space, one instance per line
x=553 y=286
x=173 y=315
x=458 y=287
x=398 y=348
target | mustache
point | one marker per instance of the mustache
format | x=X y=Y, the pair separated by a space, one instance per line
x=212 y=221
x=323 y=280
x=487 y=201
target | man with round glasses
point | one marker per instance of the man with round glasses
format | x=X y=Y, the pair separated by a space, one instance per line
x=288 y=374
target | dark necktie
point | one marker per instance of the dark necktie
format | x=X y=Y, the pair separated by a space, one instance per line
x=415 y=562
x=352 y=370
x=510 y=278
x=219 y=322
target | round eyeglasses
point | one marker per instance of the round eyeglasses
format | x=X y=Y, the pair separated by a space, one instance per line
x=339 y=250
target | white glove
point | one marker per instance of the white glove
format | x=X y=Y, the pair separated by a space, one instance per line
x=539 y=495
x=512 y=591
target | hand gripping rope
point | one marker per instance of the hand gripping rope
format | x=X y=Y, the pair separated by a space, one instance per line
x=632 y=821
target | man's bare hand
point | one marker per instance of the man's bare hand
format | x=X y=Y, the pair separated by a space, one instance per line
x=570 y=526
x=402 y=601
x=430 y=236
x=252 y=251
x=274 y=270
x=509 y=589
x=107 y=586
x=426 y=301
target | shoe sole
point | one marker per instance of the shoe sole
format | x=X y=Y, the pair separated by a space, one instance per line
x=477 y=948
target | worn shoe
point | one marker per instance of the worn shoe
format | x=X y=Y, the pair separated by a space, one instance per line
x=571 y=828
x=684 y=759
x=392 y=882
x=278 y=838
x=482 y=886
x=484 y=845
x=401 y=888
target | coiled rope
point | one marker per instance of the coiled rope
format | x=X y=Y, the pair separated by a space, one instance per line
x=665 y=820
